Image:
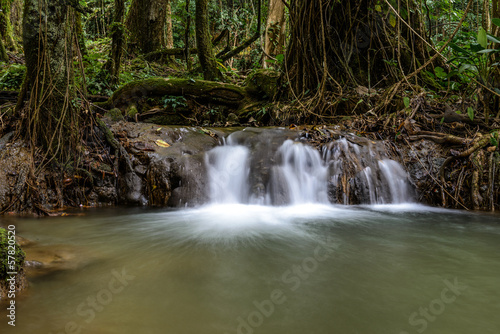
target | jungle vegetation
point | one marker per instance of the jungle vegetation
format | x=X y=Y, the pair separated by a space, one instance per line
x=428 y=69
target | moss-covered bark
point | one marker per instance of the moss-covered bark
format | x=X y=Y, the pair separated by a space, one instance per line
x=145 y=22
x=6 y=26
x=3 y=54
x=50 y=119
x=204 y=44
x=79 y=34
x=113 y=65
x=215 y=92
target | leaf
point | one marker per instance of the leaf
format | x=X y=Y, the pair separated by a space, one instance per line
x=470 y=112
x=442 y=121
x=496 y=21
x=378 y=8
x=162 y=143
x=493 y=39
x=406 y=101
x=440 y=73
x=487 y=51
x=392 y=20
x=458 y=49
x=465 y=67
x=482 y=38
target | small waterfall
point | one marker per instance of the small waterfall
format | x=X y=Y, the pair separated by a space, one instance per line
x=267 y=168
x=300 y=176
x=228 y=171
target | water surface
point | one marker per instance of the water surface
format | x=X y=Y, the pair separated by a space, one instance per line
x=237 y=268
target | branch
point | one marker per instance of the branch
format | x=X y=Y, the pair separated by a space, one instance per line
x=249 y=41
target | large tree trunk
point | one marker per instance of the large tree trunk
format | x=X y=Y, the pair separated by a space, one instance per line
x=145 y=22
x=338 y=44
x=169 y=33
x=204 y=43
x=50 y=117
x=3 y=54
x=113 y=65
x=5 y=25
x=274 y=37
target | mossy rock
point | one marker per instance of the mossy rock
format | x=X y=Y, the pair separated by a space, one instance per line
x=18 y=255
x=115 y=115
x=262 y=83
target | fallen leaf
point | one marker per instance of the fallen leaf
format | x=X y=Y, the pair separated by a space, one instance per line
x=162 y=143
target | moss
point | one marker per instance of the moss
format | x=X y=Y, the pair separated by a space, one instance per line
x=262 y=83
x=115 y=114
x=19 y=256
x=131 y=111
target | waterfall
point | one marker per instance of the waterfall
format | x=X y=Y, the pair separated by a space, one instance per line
x=268 y=168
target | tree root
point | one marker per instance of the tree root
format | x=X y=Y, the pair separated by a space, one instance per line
x=440 y=138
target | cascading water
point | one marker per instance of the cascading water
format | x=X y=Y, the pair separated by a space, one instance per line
x=253 y=168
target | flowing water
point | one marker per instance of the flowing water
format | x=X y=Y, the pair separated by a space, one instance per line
x=271 y=254
x=236 y=268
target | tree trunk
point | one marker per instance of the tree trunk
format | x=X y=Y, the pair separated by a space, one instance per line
x=80 y=38
x=145 y=22
x=334 y=44
x=3 y=54
x=51 y=120
x=274 y=36
x=113 y=65
x=169 y=38
x=204 y=43
x=5 y=25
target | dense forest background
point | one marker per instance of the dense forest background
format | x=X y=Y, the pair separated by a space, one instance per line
x=419 y=68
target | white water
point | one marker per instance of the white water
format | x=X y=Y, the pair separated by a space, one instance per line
x=295 y=173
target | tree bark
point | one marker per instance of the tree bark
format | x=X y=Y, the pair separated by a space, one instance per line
x=169 y=38
x=51 y=120
x=204 y=44
x=6 y=26
x=274 y=36
x=145 y=22
x=3 y=54
x=113 y=65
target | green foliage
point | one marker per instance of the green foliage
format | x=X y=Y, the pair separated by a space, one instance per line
x=494 y=138
x=470 y=113
x=18 y=255
x=11 y=78
x=174 y=101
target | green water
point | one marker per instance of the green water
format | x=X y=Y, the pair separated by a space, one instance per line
x=253 y=269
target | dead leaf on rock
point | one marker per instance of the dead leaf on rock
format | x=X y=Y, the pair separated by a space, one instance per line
x=162 y=143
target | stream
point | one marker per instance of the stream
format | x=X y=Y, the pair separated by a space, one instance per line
x=240 y=268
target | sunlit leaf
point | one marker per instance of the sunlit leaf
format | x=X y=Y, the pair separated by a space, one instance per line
x=470 y=112
x=162 y=143
x=392 y=20
x=482 y=38
x=406 y=101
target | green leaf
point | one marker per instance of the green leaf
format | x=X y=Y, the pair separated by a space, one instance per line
x=406 y=101
x=442 y=121
x=470 y=112
x=440 y=73
x=496 y=21
x=482 y=38
x=458 y=49
x=487 y=51
x=493 y=39
x=466 y=67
